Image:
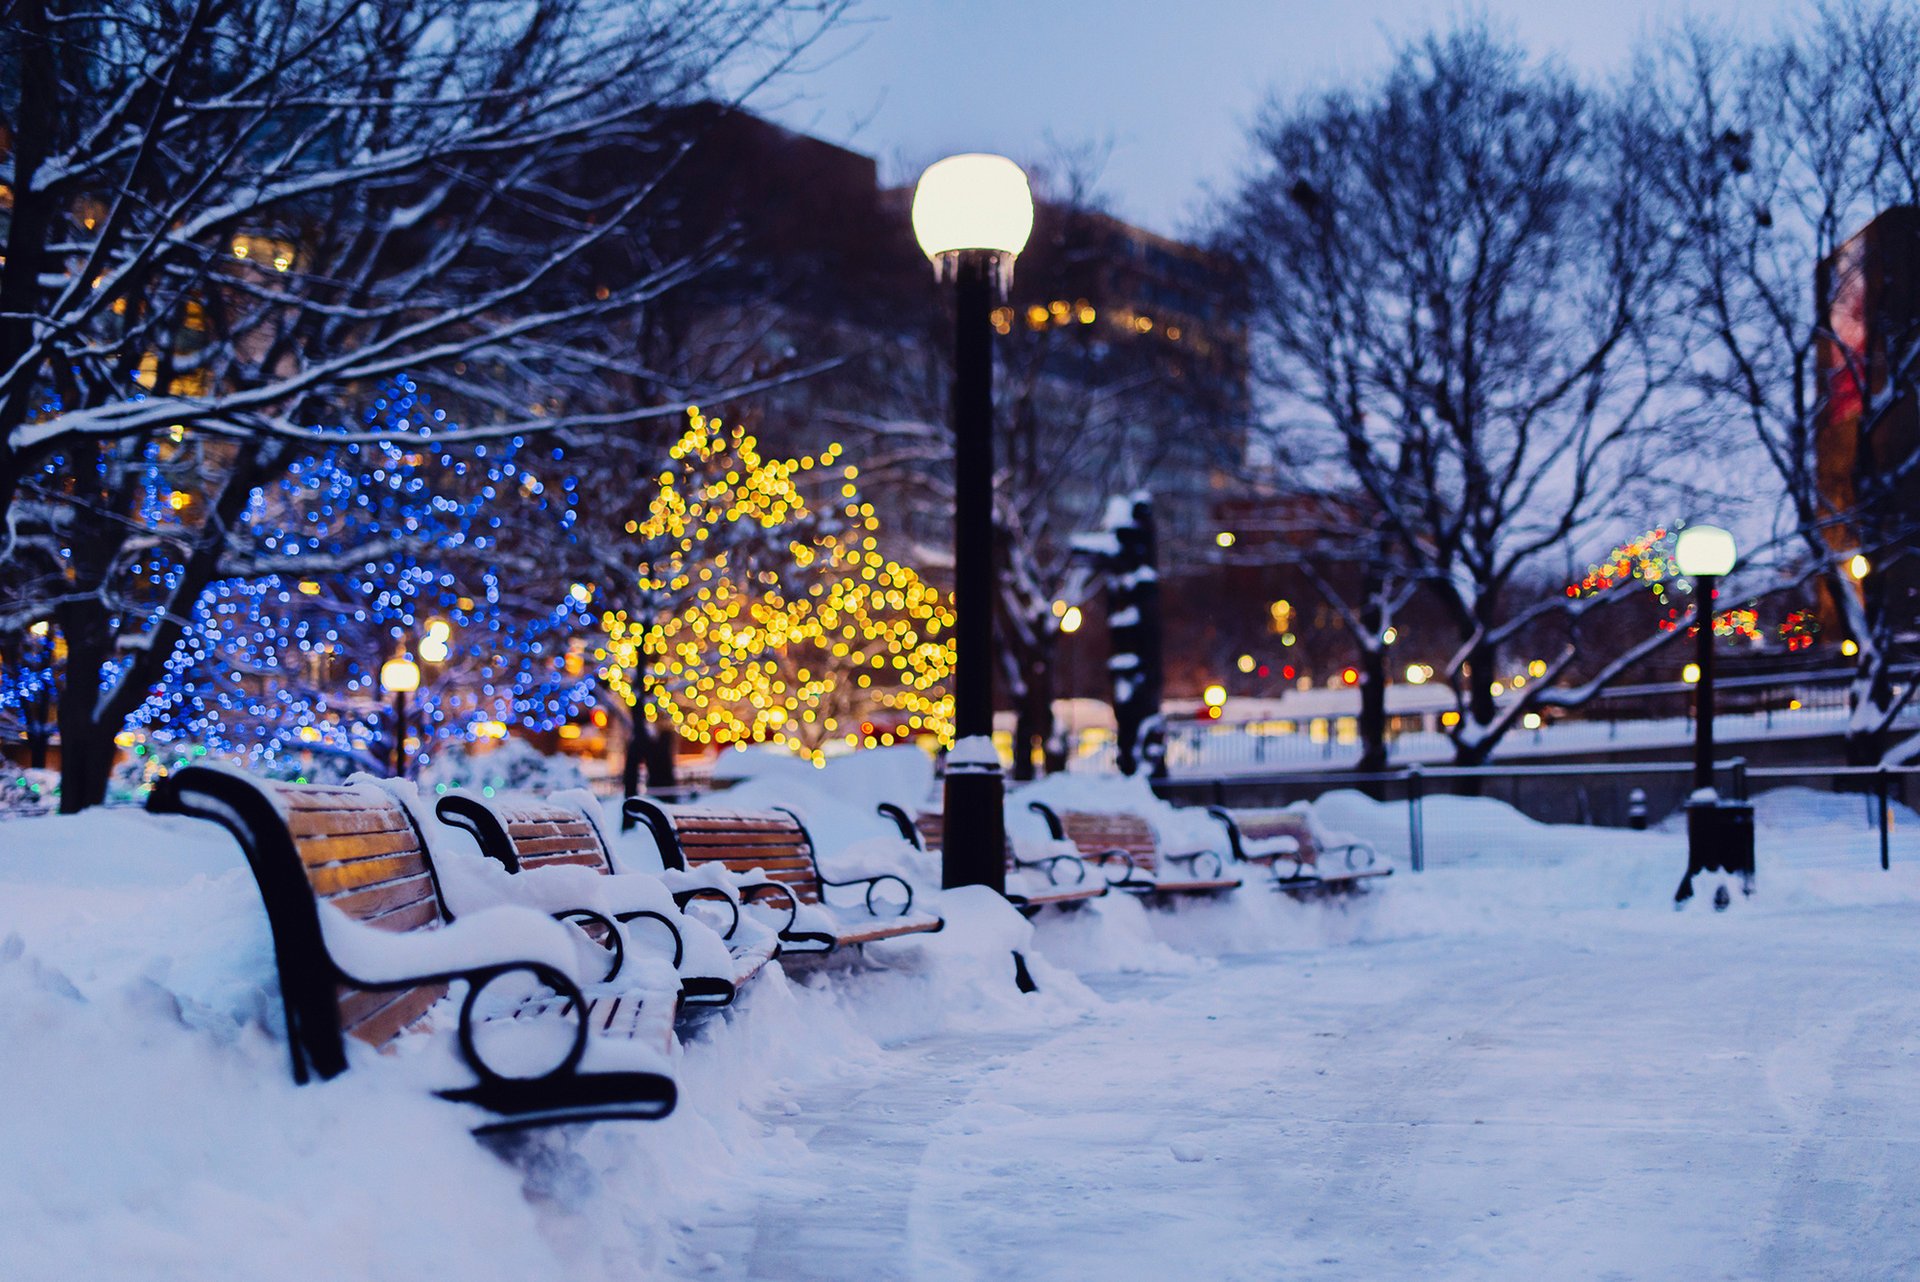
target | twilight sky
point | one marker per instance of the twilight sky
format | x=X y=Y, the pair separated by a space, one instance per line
x=1167 y=85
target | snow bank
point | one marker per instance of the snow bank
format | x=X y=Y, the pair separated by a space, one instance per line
x=153 y=1130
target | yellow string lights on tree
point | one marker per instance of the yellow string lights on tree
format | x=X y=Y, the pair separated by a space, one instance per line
x=770 y=623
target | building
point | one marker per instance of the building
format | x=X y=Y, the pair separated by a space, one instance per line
x=1867 y=435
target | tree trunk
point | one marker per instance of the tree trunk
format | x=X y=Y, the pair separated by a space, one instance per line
x=660 y=755
x=1033 y=718
x=1373 y=679
x=86 y=745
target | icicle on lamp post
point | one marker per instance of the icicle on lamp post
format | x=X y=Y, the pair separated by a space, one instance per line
x=1719 y=833
x=972 y=215
x=400 y=677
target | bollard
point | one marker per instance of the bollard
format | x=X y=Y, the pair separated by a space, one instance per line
x=1637 y=809
x=1882 y=781
x=1416 y=819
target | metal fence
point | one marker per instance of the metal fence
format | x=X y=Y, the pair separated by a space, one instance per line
x=1618 y=795
x=1626 y=718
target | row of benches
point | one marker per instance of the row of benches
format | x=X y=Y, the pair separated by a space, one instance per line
x=561 y=950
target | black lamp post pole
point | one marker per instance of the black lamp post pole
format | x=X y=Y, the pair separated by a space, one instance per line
x=1703 y=690
x=400 y=734
x=974 y=842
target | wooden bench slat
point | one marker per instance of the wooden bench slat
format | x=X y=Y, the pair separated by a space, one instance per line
x=341 y=822
x=534 y=830
x=333 y=850
x=402 y=1011
x=385 y=897
x=321 y=799
x=553 y=845
x=582 y=859
x=884 y=930
x=750 y=854
x=421 y=914
x=331 y=879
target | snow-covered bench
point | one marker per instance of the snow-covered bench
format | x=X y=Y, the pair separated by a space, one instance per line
x=1076 y=887
x=535 y=837
x=366 y=948
x=1116 y=839
x=768 y=857
x=1275 y=838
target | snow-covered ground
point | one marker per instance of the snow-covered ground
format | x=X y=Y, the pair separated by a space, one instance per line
x=1520 y=1063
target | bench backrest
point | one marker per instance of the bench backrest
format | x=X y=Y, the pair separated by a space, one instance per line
x=1097 y=832
x=774 y=841
x=931 y=827
x=1255 y=826
x=1094 y=832
x=354 y=847
x=528 y=832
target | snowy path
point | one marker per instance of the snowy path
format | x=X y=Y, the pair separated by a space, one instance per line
x=1583 y=1097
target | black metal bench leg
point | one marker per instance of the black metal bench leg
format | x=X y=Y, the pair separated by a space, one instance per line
x=1022 y=977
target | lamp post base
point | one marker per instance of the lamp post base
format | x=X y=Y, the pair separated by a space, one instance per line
x=1719 y=839
x=974 y=841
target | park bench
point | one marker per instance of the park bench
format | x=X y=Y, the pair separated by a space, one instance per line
x=1116 y=838
x=769 y=857
x=926 y=832
x=1275 y=838
x=366 y=948
x=527 y=835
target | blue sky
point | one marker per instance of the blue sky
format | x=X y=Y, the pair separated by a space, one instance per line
x=1168 y=86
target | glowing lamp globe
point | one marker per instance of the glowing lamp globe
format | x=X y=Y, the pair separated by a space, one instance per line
x=1704 y=550
x=974 y=201
x=400 y=676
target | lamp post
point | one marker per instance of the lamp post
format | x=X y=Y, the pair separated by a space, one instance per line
x=399 y=677
x=972 y=215
x=1719 y=833
x=1705 y=553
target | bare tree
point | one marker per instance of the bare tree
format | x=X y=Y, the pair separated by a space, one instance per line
x=1776 y=154
x=227 y=217
x=1457 y=293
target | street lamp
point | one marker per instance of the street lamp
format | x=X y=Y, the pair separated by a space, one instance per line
x=1719 y=833
x=399 y=677
x=972 y=215
x=1705 y=554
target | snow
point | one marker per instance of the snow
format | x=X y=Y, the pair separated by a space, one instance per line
x=1522 y=1062
x=491 y=937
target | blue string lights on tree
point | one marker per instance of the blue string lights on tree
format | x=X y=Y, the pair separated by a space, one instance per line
x=420 y=545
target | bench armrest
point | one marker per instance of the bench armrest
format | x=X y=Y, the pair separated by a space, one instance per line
x=1353 y=850
x=573 y=1006
x=774 y=890
x=615 y=944
x=1050 y=864
x=872 y=883
x=682 y=898
x=505 y=936
x=652 y=914
x=1192 y=860
x=1106 y=857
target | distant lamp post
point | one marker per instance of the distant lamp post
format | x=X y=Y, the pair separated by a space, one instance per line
x=972 y=215
x=1705 y=554
x=400 y=677
x=1719 y=833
